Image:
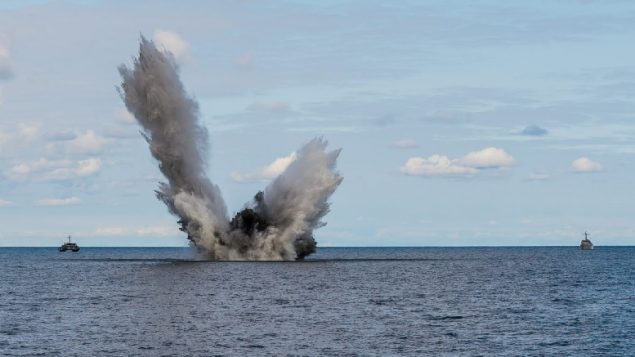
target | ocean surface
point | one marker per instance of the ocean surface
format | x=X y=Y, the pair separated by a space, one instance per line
x=342 y=301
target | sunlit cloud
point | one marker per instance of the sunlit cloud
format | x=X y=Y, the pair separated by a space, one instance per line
x=58 y=201
x=267 y=172
x=585 y=165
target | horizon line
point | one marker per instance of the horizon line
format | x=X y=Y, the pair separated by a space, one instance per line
x=369 y=246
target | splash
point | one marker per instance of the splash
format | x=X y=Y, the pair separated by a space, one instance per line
x=277 y=224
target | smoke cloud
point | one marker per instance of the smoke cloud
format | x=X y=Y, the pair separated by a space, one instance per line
x=277 y=224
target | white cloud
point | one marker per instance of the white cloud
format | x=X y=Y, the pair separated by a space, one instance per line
x=26 y=168
x=539 y=176
x=58 y=201
x=272 y=106
x=6 y=71
x=5 y=203
x=435 y=165
x=86 y=143
x=81 y=168
x=19 y=136
x=488 y=158
x=124 y=116
x=161 y=231
x=266 y=173
x=405 y=144
x=62 y=135
x=87 y=167
x=121 y=132
x=44 y=169
x=28 y=132
x=172 y=42
x=110 y=231
x=156 y=231
x=75 y=143
x=470 y=164
x=585 y=164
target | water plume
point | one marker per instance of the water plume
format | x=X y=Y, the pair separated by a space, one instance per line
x=277 y=224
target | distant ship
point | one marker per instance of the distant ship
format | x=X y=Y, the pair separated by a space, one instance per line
x=586 y=244
x=73 y=247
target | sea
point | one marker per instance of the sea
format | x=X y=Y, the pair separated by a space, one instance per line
x=524 y=301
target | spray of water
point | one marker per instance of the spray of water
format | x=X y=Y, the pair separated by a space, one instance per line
x=277 y=224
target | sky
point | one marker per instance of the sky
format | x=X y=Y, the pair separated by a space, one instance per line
x=461 y=123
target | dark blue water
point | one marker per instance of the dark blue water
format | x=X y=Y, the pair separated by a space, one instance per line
x=343 y=301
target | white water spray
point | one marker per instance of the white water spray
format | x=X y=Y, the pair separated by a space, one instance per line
x=277 y=225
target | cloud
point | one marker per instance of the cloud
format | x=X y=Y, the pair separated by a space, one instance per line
x=28 y=132
x=5 y=203
x=266 y=173
x=110 y=231
x=86 y=143
x=539 y=176
x=74 y=143
x=58 y=201
x=155 y=231
x=63 y=135
x=405 y=144
x=171 y=42
x=470 y=164
x=245 y=61
x=585 y=164
x=62 y=169
x=533 y=130
x=36 y=166
x=272 y=106
x=122 y=115
x=488 y=158
x=121 y=132
x=6 y=71
x=435 y=165
x=19 y=136
x=161 y=231
x=45 y=170
x=87 y=167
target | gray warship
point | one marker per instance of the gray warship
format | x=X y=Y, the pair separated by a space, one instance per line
x=73 y=247
x=586 y=244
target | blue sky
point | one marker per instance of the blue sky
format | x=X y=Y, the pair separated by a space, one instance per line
x=461 y=122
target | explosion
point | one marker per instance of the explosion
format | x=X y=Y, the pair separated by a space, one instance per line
x=277 y=224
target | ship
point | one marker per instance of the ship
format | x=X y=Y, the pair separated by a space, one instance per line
x=586 y=244
x=73 y=247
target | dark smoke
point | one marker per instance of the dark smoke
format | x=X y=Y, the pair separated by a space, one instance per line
x=277 y=224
